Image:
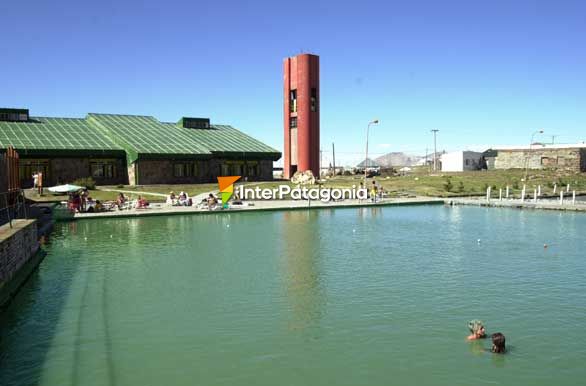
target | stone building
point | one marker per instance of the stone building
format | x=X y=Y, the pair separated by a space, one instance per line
x=132 y=149
x=571 y=157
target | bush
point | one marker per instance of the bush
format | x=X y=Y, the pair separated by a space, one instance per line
x=516 y=185
x=88 y=182
x=461 y=187
x=448 y=185
x=390 y=171
x=120 y=186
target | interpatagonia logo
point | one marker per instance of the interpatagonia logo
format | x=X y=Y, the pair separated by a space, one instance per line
x=226 y=185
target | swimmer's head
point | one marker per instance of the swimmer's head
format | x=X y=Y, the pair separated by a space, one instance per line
x=477 y=328
x=498 y=343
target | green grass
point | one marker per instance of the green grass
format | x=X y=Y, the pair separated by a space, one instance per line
x=418 y=183
x=468 y=183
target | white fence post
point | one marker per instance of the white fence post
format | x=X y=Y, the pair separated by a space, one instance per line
x=500 y=194
x=539 y=190
x=507 y=192
x=561 y=197
x=573 y=197
x=555 y=188
x=488 y=194
x=534 y=195
x=523 y=193
x=568 y=188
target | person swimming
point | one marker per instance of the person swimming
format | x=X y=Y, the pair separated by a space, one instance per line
x=477 y=330
x=498 y=343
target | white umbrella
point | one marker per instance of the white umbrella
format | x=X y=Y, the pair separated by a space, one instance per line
x=67 y=188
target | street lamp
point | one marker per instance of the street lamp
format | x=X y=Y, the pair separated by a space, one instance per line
x=375 y=122
x=540 y=131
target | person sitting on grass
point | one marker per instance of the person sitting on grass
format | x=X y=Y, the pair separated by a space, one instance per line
x=74 y=202
x=498 y=343
x=183 y=199
x=477 y=329
x=141 y=203
x=172 y=198
x=212 y=201
x=120 y=200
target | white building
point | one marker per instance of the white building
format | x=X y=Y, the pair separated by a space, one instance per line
x=459 y=161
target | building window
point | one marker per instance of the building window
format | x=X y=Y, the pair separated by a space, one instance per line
x=548 y=161
x=293 y=122
x=103 y=169
x=314 y=99
x=252 y=169
x=467 y=162
x=236 y=169
x=14 y=115
x=293 y=101
x=184 y=169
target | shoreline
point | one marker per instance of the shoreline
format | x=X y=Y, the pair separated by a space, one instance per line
x=165 y=210
x=579 y=206
x=159 y=209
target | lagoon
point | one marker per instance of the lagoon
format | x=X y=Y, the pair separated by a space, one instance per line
x=357 y=296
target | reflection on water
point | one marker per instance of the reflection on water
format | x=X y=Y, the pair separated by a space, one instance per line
x=300 y=245
x=369 y=296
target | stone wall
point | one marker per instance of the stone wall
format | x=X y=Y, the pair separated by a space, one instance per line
x=162 y=171
x=67 y=170
x=3 y=177
x=571 y=159
x=18 y=246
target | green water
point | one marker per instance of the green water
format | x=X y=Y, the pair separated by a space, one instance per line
x=341 y=297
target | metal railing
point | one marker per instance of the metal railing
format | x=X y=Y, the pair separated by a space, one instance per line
x=12 y=206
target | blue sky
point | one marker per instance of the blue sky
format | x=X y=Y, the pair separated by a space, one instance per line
x=482 y=72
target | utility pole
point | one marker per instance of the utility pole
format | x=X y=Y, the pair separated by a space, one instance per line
x=319 y=172
x=375 y=122
x=334 y=157
x=434 y=149
x=553 y=137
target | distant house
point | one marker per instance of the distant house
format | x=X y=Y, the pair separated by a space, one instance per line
x=569 y=157
x=489 y=158
x=459 y=161
x=368 y=163
x=370 y=166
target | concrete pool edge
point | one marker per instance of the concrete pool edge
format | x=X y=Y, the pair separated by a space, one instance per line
x=516 y=204
x=183 y=211
x=20 y=256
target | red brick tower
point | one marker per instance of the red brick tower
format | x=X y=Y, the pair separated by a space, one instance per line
x=301 y=118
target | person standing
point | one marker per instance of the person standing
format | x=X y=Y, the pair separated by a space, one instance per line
x=374 y=191
x=35 y=180
x=40 y=183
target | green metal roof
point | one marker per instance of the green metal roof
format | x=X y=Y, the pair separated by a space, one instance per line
x=139 y=136
x=53 y=134
x=223 y=139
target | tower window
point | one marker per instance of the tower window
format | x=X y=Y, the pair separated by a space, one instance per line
x=293 y=122
x=314 y=99
x=293 y=101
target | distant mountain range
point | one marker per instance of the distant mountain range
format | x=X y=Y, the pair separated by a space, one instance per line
x=395 y=159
